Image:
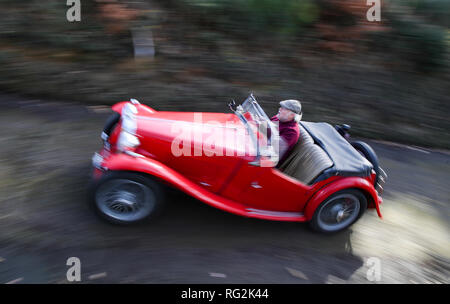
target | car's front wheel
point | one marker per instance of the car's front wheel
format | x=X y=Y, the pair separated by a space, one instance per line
x=339 y=211
x=126 y=197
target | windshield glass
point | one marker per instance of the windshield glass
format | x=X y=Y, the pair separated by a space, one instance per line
x=263 y=131
x=251 y=106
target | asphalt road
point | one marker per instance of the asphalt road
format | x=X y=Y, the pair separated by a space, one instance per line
x=45 y=152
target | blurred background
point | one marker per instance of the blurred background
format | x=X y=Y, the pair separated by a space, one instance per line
x=388 y=79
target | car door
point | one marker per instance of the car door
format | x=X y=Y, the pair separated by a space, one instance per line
x=266 y=188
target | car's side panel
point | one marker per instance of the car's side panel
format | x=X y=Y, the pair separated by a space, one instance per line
x=124 y=162
x=267 y=188
x=200 y=152
x=340 y=184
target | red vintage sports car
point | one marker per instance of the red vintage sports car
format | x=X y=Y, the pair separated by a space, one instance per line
x=230 y=161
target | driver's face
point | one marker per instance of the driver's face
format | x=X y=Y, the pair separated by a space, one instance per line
x=285 y=114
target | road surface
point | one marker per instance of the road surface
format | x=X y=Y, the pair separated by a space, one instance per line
x=45 y=152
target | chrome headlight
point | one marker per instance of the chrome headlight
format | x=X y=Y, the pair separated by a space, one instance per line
x=127 y=141
x=127 y=138
x=129 y=123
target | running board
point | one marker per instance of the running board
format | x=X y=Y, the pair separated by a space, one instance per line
x=279 y=215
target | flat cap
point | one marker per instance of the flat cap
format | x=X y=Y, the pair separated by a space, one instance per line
x=292 y=105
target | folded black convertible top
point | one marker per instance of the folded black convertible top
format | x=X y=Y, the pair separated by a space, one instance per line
x=347 y=161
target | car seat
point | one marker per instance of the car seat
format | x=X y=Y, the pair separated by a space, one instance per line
x=307 y=160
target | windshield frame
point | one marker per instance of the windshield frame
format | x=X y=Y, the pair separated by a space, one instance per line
x=252 y=106
x=259 y=117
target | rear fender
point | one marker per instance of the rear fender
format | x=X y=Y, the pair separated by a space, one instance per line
x=346 y=183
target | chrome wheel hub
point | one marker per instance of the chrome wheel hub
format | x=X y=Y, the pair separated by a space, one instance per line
x=339 y=212
x=340 y=216
x=125 y=200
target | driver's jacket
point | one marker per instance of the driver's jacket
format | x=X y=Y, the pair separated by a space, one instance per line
x=289 y=132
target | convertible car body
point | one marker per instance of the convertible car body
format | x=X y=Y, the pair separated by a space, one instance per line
x=228 y=160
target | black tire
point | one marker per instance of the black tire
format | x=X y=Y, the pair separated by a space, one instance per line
x=370 y=155
x=318 y=224
x=142 y=201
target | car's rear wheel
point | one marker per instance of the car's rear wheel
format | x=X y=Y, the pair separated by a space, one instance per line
x=339 y=211
x=126 y=198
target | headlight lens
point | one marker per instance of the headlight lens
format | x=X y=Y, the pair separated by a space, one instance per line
x=127 y=138
x=127 y=141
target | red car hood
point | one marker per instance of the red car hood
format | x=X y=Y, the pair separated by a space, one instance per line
x=222 y=129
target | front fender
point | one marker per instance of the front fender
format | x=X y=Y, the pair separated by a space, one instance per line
x=341 y=184
x=119 y=106
x=125 y=162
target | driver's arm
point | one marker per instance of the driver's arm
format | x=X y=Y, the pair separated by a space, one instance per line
x=283 y=147
x=288 y=139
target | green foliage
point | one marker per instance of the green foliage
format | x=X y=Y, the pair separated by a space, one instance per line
x=436 y=11
x=425 y=45
x=257 y=16
x=43 y=24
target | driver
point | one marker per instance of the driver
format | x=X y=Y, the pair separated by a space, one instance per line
x=289 y=113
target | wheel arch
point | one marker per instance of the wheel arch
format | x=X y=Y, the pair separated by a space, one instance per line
x=356 y=183
x=142 y=173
